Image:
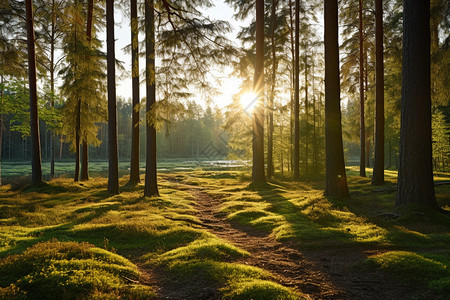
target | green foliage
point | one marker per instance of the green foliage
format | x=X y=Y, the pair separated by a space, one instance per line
x=15 y=107
x=12 y=38
x=83 y=75
x=441 y=141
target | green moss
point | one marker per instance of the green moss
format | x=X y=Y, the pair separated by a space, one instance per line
x=259 y=289
x=412 y=268
x=68 y=270
x=208 y=248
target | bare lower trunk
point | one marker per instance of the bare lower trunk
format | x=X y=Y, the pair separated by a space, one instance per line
x=336 y=179
x=1 y=131
x=1 y=144
x=415 y=175
x=134 y=163
x=52 y=89
x=34 y=119
x=314 y=126
x=270 y=170
x=362 y=126
x=60 y=146
x=85 y=161
x=113 y=177
x=258 y=87
x=306 y=118
x=390 y=154
x=368 y=148
x=378 y=165
x=77 y=142
x=296 y=93
x=151 y=184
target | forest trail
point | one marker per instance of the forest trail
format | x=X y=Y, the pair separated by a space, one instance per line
x=318 y=274
x=288 y=265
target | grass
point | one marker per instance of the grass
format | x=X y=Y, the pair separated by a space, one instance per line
x=69 y=270
x=75 y=241
x=298 y=213
x=424 y=270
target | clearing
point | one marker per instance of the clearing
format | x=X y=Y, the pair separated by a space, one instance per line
x=211 y=235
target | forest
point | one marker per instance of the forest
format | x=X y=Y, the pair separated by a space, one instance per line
x=224 y=149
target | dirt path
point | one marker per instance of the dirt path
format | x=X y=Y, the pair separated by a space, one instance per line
x=321 y=274
x=289 y=265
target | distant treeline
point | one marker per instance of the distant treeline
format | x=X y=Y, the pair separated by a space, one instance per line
x=199 y=133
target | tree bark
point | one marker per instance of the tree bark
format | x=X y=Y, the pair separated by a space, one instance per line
x=362 y=126
x=77 y=141
x=84 y=162
x=270 y=170
x=378 y=165
x=52 y=89
x=134 y=164
x=151 y=185
x=297 y=93
x=1 y=126
x=390 y=154
x=84 y=149
x=415 y=175
x=36 y=170
x=292 y=77
x=336 y=179
x=113 y=177
x=258 y=87
x=314 y=124
x=306 y=116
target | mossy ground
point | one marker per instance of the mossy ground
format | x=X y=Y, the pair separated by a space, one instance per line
x=105 y=237
x=75 y=241
x=299 y=214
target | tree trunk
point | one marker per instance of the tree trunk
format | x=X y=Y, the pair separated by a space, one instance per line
x=77 y=141
x=378 y=165
x=1 y=126
x=368 y=148
x=270 y=170
x=52 y=89
x=84 y=163
x=113 y=178
x=336 y=179
x=415 y=175
x=77 y=125
x=296 y=93
x=291 y=119
x=362 y=126
x=306 y=116
x=84 y=149
x=134 y=164
x=258 y=87
x=151 y=186
x=314 y=124
x=390 y=154
x=60 y=146
x=36 y=172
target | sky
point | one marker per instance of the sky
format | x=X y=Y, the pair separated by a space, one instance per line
x=230 y=85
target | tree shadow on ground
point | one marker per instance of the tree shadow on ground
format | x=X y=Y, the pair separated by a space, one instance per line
x=330 y=244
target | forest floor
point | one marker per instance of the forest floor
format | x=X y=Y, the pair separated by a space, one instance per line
x=211 y=235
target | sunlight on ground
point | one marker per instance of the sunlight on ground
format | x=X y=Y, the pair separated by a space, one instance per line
x=110 y=236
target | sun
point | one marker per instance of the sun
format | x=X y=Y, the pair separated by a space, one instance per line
x=249 y=101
